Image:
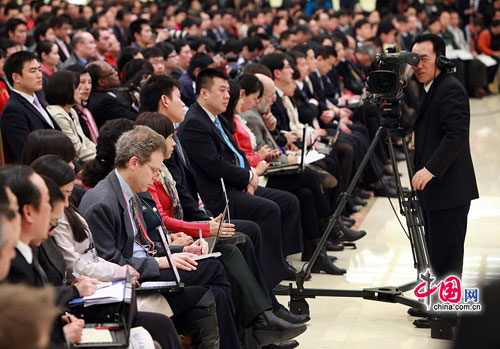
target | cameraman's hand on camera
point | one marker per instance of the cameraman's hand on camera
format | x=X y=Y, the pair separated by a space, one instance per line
x=421 y=178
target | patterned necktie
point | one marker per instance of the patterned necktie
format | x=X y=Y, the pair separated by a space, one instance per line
x=241 y=162
x=141 y=236
x=42 y=111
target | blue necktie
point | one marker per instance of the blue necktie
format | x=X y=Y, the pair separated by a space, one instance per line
x=241 y=162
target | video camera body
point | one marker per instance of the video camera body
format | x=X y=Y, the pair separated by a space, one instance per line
x=385 y=85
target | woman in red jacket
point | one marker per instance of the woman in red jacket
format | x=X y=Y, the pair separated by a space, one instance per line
x=165 y=194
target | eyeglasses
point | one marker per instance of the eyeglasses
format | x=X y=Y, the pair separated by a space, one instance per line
x=156 y=171
x=53 y=225
x=172 y=56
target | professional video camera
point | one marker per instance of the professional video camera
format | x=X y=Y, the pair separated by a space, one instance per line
x=385 y=84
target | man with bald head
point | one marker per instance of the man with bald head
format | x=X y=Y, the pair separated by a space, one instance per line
x=102 y=101
x=84 y=49
x=260 y=119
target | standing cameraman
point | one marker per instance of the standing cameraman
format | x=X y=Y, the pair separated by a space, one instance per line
x=444 y=176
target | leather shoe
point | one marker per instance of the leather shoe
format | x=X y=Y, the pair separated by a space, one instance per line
x=417 y=312
x=280 y=288
x=389 y=192
x=323 y=263
x=269 y=329
x=283 y=345
x=357 y=201
x=285 y=314
x=348 y=234
x=330 y=246
x=289 y=272
x=345 y=219
x=422 y=323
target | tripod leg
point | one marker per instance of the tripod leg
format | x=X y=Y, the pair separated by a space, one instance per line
x=301 y=277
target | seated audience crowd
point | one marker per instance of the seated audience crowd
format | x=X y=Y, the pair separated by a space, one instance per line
x=121 y=122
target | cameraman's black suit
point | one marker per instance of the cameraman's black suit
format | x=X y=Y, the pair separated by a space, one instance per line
x=442 y=147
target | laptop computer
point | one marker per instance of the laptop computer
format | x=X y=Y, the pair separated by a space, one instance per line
x=116 y=332
x=288 y=169
x=213 y=240
x=163 y=286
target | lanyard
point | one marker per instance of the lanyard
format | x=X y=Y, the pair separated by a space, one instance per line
x=148 y=251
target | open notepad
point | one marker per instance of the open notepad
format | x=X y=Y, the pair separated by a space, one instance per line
x=111 y=294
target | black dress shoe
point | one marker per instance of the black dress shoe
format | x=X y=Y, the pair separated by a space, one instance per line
x=330 y=246
x=323 y=263
x=289 y=272
x=389 y=192
x=362 y=194
x=356 y=200
x=333 y=247
x=269 y=329
x=399 y=155
x=285 y=314
x=417 y=312
x=346 y=219
x=422 y=323
x=283 y=345
x=280 y=288
x=348 y=234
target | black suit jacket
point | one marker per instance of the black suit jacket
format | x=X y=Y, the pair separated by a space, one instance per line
x=18 y=119
x=185 y=182
x=211 y=157
x=307 y=111
x=281 y=114
x=106 y=213
x=104 y=107
x=22 y=272
x=442 y=145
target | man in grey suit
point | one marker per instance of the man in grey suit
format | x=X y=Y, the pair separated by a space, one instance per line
x=114 y=214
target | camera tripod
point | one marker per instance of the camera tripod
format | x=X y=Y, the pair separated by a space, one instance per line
x=409 y=207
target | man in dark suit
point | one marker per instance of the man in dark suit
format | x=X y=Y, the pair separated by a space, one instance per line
x=62 y=26
x=161 y=94
x=23 y=112
x=215 y=155
x=114 y=214
x=444 y=176
x=33 y=200
x=102 y=101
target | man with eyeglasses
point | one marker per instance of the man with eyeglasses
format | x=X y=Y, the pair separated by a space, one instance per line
x=103 y=103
